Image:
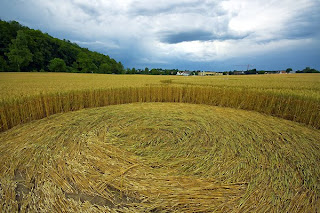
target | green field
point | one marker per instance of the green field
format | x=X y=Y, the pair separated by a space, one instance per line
x=135 y=143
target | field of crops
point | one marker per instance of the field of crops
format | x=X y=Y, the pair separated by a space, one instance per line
x=30 y=96
x=134 y=143
x=16 y=85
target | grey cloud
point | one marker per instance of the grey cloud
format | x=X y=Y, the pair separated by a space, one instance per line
x=173 y=38
x=300 y=34
x=197 y=6
x=89 y=10
x=304 y=26
x=196 y=35
x=142 y=9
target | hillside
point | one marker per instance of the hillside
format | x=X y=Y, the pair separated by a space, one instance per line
x=24 y=49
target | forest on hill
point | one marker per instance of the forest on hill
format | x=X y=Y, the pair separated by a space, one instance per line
x=25 y=49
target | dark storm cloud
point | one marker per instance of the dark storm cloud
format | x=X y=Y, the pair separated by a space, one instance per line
x=306 y=25
x=196 y=35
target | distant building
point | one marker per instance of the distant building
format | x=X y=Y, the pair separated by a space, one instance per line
x=238 y=73
x=276 y=72
x=270 y=72
x=209 y=73
x=184 y=73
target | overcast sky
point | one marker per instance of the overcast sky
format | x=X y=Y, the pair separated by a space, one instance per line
x=186 y=34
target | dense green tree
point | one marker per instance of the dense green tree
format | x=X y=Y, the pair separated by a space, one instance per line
x=84 y=62
x=105 y=68
x=57 y=65
x=253 y=71
x=117 y=68
x=19 y=53
x=120 y=68
x=146 y=71
x=37 y=45
x=67 y=52
x=155 y=72
x=3 y=64
x=74 y=67
x=93 y=68
x=128 y=71
x=307 y=69
x=8 y=32
x=45 y=48
x=310 y=70
x=288 y=70
x=133 y=71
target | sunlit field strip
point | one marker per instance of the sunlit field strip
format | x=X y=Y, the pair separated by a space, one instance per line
x=297 y=109
x=17 y=85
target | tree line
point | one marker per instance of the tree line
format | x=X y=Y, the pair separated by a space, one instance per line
x=255 y=71
x=24 y=49
x=308 y=70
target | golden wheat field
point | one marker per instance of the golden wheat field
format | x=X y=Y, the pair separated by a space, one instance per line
x=134 y=143
x=16 y=85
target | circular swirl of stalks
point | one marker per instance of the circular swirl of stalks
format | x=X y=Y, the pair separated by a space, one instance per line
x=160 y=157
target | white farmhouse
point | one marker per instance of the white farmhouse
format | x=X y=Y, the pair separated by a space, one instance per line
x=184 y=73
